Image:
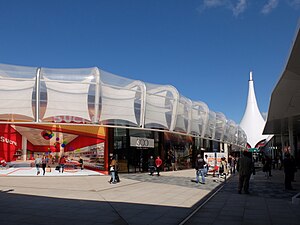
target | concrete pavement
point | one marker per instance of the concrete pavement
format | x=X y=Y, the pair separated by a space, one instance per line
x=143 y=199
x=267 y=204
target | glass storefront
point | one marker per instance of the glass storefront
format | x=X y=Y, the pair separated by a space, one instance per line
x=133 y=148
x=178 y=151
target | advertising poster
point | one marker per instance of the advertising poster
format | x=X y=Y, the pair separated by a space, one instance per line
x=219 y=156
x=214 y=158
x=211 y=158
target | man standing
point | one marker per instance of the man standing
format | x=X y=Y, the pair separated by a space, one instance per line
x=288 y=171
x=200 y=170
x=158 y=163
x=245 y=168
x=206 y=165
x=151 y=165
x=81 y=162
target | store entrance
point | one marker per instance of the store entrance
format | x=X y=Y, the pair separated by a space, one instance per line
x=138 y=159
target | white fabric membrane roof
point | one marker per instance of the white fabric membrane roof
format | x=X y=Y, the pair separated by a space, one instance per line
x=252 y=122
x=94 y=96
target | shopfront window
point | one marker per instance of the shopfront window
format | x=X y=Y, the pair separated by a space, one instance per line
x=133 y=149
x=178 y=151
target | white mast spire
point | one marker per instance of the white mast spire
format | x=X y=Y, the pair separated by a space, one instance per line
x=252 y=122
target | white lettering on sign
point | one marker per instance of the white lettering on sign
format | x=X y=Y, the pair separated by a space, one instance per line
x=8 y=141
x=70 y=119
x=141 y=142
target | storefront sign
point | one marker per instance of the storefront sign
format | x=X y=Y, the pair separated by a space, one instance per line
x=8 y=141
x=141 y=142
x=69 y=119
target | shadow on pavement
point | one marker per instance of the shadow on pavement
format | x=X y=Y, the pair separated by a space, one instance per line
x=19 y=209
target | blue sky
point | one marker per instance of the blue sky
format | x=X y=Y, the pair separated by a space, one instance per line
x=203 y=48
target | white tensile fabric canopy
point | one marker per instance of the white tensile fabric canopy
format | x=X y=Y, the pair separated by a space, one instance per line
x=16 y=97
x=68 y=99
x=117 y=104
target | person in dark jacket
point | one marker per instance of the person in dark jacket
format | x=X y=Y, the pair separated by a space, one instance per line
x=288 y=171
x=200 y=169
x=151 y=165
x=81 y=163
x=245 y=168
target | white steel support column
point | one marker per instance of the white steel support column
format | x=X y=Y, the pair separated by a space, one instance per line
x=97 y=95
x=37 y=97
x=143 y=105
x=175 y=109
x=24 y=148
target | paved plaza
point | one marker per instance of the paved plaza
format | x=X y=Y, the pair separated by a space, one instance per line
x=143 y=199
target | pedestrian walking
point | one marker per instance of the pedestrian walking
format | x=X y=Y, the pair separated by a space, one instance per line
x=232 y=165
x=206 y=165
x=200 y=170
x=223 y=170
x=267 y=166
x=44 y=164
x=81 y=162
x=294 y=168
x=245 y=168
x=151 y=165
x=112 y=170
x=158 y=163
x=117 y=170
x=38 y=162
x=62 y=162
x=288 y=171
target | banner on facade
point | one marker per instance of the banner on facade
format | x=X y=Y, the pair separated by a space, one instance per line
x=141 y=142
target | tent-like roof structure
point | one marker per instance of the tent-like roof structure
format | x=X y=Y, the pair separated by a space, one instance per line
x=252 y=122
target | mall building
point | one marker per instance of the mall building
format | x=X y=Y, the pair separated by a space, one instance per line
x=283 y=120
x=93 y=114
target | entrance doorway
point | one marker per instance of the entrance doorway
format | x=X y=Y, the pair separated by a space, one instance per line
x=138 y=159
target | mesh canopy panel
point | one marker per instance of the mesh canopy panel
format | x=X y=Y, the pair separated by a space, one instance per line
x=161 y=106
x=16 y=97
x=220 y=125
x=20 y=72
x=156 y=110
x=211 y=125
x=229 y=135
x=121 y=99
x=70 y=74
x=67 y=98
x=241 y=137
x=118 y=104
x=114 y=80
x=183 y=114
x=17 y=87
x=199 y=117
